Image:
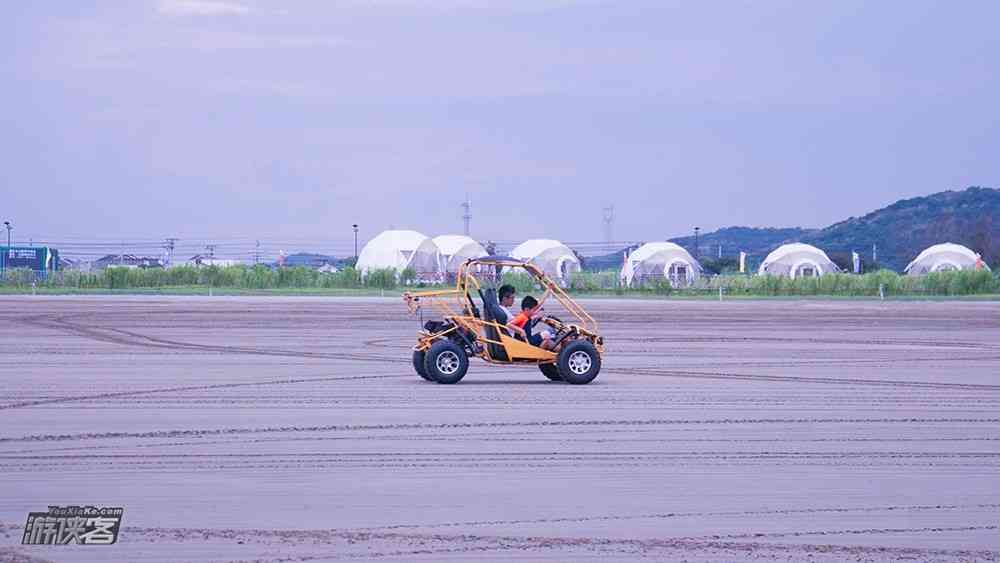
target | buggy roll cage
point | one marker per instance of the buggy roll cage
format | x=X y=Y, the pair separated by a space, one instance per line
x=466 y=317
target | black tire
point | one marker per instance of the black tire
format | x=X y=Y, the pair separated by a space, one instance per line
x=446 y=362
x=418 y=364
x=579 y=363
x=550 y=371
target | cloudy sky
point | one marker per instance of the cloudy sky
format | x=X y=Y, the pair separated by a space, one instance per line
x=294 y=119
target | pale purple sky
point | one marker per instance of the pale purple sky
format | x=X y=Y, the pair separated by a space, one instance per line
x=292 y=120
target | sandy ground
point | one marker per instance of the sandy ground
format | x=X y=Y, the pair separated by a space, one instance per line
x=295 y=429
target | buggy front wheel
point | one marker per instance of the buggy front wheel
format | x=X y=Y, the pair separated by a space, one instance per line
x=579 y=363
x=446 y=362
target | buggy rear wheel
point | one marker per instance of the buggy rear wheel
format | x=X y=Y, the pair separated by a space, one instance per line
x=418 y=364
x=579 y=362
x=550 y=371
x=446 y=362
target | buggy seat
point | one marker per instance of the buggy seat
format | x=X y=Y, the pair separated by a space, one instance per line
x=491 y=308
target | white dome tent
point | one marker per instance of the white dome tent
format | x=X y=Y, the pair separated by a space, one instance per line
x=551 y=256
x=660 y=260
x=456 y=249
x=797 y=260
x=944 y=258
x=400 y=250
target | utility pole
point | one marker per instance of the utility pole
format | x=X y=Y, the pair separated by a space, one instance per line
x=256 y=253
x=7 y=252
x=609 y=223
x=720 y=252
x=169 y=244
x=874 y=253
x=355 y=226
x=211 y=250
x=467 y=216
x=696 y=253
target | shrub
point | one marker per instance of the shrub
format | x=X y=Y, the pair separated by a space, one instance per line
x=381 y=278
x=522 y=281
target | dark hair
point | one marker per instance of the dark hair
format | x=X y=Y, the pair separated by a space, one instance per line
x=528 y=302
x=505 y=290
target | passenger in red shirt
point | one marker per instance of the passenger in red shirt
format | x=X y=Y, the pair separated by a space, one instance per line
x=531 y=312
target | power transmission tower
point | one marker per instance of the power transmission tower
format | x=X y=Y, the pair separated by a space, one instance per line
x=169 y=244
x=467 y=216
x=211 y=250
x=609 y=223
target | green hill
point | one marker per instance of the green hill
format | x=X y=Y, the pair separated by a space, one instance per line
x=900 y=231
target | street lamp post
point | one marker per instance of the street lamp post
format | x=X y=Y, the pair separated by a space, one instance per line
x=355 y=243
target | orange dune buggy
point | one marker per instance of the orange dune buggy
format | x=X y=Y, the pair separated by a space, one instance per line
x=468 y=327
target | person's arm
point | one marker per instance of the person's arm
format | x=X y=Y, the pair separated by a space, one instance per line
x=517 y=329
x=541 y=301
x=536 y=313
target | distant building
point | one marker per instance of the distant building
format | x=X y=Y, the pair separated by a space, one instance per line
x=400 y=250
x=797 y=260
x=309 y=260
x=36 y=258
x=73 y=264
x=455 y=250
x=945 y=257
x=125 y=261
x=551 y=256
x=660 y=261
x=203 y=260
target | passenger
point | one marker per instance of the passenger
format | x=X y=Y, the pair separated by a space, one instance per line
x=531 y=312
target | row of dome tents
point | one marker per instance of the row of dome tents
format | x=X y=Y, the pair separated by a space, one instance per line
x=666 y=260
x=803 y=260
x=433 y=259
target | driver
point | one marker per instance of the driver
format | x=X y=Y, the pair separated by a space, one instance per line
x=504 y=316
x=531 y=312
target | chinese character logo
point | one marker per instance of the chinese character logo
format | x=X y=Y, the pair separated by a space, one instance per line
x=82 y=525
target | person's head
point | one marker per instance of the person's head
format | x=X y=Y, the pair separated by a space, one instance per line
x=528 y=303
x=506 y=295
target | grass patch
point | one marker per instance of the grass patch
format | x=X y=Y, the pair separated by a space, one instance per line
x=260 y=280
